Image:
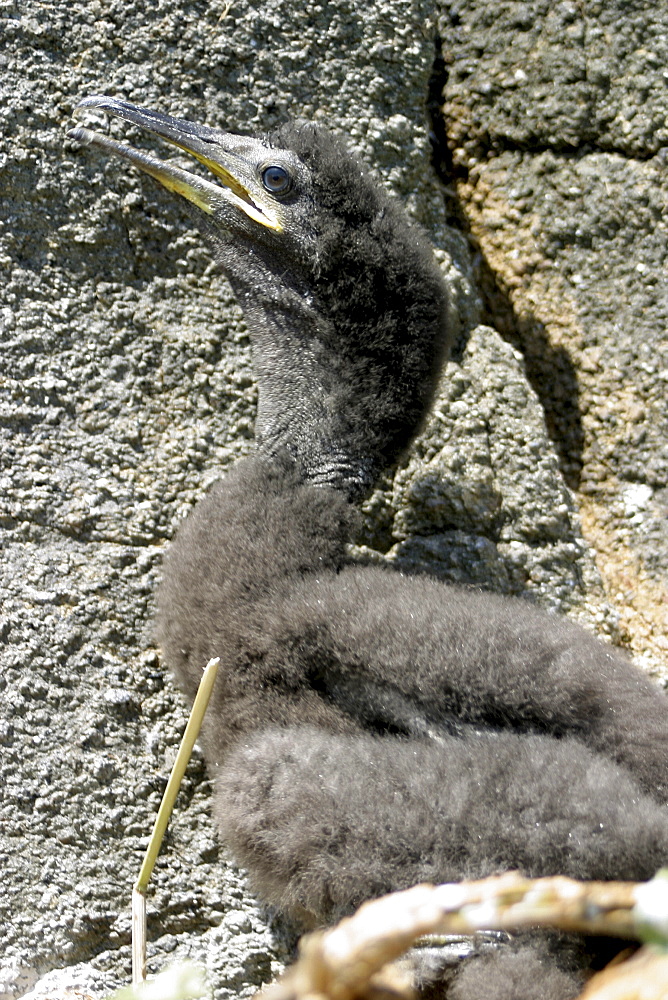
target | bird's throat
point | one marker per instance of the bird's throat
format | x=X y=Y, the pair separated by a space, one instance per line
x=303 y=405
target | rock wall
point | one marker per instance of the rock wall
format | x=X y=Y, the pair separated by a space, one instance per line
x=555 y=115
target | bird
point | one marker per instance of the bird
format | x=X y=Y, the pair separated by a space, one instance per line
x=370 y=729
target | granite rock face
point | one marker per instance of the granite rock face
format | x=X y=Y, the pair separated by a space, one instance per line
x=126 y=390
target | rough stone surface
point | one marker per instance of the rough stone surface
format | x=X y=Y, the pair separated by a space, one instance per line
x=556 y=121
x=126 y=389
x=485 y=473
x=481 y=499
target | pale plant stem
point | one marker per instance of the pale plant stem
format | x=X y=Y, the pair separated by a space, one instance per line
x=164 y=812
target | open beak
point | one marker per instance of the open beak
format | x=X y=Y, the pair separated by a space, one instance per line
x=239 y=186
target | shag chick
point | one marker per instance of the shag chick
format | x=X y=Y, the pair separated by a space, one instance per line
x=371 y=730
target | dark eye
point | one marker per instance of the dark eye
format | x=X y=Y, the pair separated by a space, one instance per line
x=276 y=179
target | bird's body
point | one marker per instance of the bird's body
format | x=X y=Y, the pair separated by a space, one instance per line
x=371 y=730
x=503 y=727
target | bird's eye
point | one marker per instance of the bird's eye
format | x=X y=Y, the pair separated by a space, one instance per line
x=276 y=179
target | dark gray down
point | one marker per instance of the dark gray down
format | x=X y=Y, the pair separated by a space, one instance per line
x=126 y=389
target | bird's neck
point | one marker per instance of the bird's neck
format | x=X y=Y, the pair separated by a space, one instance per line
x=305 y=406
x=346 y=350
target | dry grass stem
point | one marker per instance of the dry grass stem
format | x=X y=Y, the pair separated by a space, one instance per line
x=138 y=936
x=164 y=812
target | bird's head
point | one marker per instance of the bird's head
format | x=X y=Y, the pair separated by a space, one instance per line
x=343 y=300
x=261 y=196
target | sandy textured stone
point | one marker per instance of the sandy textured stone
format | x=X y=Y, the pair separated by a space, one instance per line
x=557 y=128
